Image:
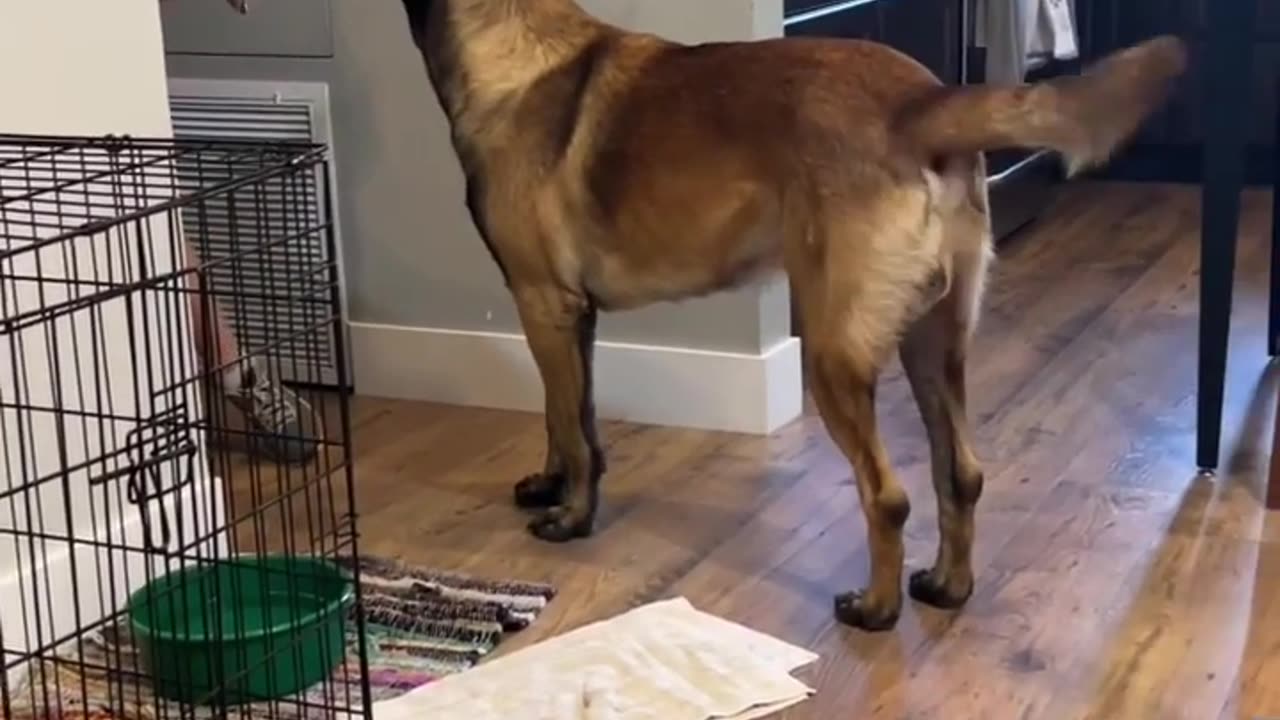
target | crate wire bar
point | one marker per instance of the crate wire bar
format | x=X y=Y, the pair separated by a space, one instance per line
x=122 y=461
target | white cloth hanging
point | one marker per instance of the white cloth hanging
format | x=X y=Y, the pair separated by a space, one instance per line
x=1017 y=34
x=1054 y=34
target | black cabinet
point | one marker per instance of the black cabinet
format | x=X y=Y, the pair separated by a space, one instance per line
x=793 y=7
x=927 y=30
x=1170 y=146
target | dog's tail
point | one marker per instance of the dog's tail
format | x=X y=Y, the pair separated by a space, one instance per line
x=1083 y=117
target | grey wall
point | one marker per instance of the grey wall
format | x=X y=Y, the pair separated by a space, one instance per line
x=411 y=255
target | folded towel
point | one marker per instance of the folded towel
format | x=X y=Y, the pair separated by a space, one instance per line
x=664 y=661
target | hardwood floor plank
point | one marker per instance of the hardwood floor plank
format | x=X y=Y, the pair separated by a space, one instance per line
x=1255 y=691
x=1113 y=583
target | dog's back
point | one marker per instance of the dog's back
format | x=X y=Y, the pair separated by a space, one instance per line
x=679 y=161
x=724 y=136
x=811 y=101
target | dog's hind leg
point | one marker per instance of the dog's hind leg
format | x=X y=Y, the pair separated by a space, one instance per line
x=933 y=355
x=844 y=390
x=560 y=330
x=858 y=287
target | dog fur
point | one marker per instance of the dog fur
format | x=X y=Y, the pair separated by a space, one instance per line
x=609 y=170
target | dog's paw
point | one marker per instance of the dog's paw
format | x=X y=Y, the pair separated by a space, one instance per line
x=926 y=587
x=540 y=491
x=852 y=609
x=558 y=525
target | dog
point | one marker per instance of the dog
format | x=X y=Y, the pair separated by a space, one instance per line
x=607 y=170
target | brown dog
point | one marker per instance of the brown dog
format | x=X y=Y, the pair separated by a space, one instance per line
x=608 y=170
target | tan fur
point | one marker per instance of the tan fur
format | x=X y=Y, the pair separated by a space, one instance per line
x=503 y=58
x=610 y=170
x=1083 y=117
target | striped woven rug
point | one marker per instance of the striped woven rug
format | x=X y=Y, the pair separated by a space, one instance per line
x=421 y=625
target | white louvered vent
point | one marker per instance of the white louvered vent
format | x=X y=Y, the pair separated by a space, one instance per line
x=264 y=111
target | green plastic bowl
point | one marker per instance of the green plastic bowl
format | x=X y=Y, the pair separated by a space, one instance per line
x=249 y=629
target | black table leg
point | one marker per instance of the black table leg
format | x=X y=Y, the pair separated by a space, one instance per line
x=1273 y=323
x=1227 y=65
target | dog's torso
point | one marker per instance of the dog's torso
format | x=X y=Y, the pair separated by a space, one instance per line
x=632 y=170
x=684 y=178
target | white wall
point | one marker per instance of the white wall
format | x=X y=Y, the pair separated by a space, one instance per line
x=76 y=67
x=82 y=67
x=703 y=21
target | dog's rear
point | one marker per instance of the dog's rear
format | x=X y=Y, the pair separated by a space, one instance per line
x=873 y=278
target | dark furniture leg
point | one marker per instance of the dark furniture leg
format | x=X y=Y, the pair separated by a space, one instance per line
x=1273 y=322
x=1226 y=74
x=1273 y=473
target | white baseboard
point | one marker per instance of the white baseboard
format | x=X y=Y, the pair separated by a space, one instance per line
x=644 y=384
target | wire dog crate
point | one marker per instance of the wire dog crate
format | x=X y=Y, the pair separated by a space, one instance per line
x=177 y=526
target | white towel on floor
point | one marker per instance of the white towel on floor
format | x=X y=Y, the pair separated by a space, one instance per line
x=664 y=661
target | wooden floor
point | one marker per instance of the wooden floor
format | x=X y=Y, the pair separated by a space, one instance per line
x=1113 y=583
